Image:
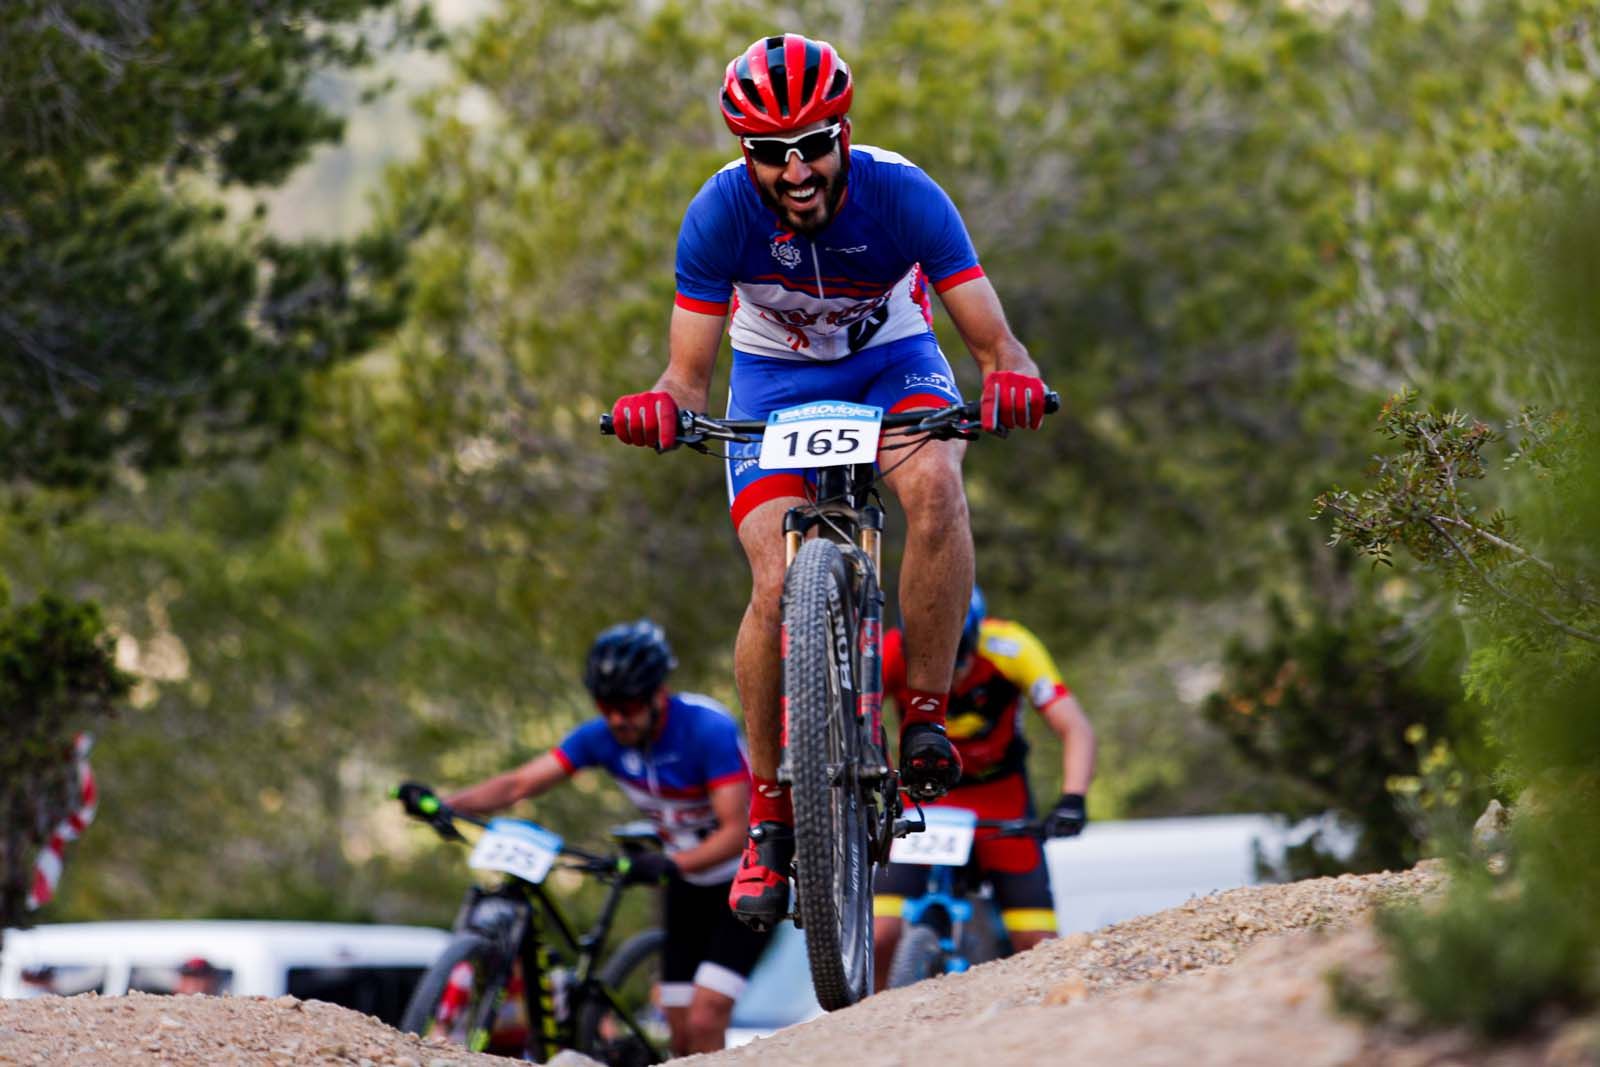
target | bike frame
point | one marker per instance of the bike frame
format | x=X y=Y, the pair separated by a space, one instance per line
x=949 y=897
x=517 y=914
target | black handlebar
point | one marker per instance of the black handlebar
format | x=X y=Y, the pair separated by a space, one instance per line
x=442 y=818
x=692 y=423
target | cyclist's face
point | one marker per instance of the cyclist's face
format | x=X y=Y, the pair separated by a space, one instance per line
x=805 y=195
x=630 y=721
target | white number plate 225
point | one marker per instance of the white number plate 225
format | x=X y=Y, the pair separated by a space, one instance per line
x=824 y=433
x=517 y=847
x=947 y=842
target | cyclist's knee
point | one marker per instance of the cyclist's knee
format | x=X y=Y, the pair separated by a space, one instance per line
x=933 y=494
x=1022 y=940
x=709 y=1015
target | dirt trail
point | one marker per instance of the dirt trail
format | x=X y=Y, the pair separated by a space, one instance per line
x=1235 y=978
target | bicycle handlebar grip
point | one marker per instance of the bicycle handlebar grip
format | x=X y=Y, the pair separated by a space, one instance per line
x=685 y=423
x=1052 y=402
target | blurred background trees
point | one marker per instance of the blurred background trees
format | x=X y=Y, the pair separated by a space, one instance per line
x=1228 y=231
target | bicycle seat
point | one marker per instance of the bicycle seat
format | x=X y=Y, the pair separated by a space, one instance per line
x=637 y=834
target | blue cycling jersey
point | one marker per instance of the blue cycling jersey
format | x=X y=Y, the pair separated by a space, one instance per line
x=699 y=749
x=861 y=281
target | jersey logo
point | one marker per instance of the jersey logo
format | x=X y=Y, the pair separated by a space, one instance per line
x=632 y=763
x=785 y=252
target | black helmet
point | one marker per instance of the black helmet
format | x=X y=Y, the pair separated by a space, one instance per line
x=628 y=661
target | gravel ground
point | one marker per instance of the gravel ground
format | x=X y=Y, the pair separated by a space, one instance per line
x=1236 y=978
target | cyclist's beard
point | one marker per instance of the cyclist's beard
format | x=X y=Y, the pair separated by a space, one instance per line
x=829 y=190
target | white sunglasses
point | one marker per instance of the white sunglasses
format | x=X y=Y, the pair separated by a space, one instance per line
x=810 y=147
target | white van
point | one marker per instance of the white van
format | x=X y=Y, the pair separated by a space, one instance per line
x=1117 y=870
x=369 y=968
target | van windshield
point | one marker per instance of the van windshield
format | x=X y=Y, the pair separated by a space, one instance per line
x=165 y=978
x=378 y=991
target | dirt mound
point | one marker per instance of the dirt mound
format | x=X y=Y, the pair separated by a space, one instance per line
x=209 y=1032
x=1236 y=978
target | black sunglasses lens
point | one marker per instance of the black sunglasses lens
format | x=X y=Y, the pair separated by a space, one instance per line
x=770 y=153
x=817 y=145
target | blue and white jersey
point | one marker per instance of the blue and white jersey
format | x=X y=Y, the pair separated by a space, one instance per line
x=700 y=748
x=862 y=281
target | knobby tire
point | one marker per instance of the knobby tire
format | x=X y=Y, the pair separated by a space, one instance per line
x=492 y=973
x=916 y=957
x=833 y=869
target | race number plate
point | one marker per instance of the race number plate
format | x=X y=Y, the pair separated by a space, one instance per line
x=947 y=842
x=516 y=847
x=825 y=433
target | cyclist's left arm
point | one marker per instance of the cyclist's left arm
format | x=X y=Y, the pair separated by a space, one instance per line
x=1065 y=716
x=975 y=308
x=1022 y=658
x=731 y=803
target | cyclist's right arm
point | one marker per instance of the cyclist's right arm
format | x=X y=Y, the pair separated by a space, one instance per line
x=504 y=790
x=692 y=342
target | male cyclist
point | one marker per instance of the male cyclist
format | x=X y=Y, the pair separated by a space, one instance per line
x=825 y=253
x=680 y=758
x=998 y=664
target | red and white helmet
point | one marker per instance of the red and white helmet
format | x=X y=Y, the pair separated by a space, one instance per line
x=783 y=83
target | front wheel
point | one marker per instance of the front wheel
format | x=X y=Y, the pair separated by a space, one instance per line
x=833 y=865
x=916 y=957
x=460 y=996
x=632 y=974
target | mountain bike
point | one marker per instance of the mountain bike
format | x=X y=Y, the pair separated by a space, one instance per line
x=503 y=940
x=846 y=795
x=954 y=923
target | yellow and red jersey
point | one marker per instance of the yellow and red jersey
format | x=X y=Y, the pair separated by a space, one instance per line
x=985 y=715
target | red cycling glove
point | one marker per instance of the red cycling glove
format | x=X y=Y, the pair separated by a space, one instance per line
x=1011 y=400
x=647 y=419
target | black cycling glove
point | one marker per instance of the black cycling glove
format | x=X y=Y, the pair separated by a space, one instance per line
x=1068 y=817
x=411 y=795
x=649 y=868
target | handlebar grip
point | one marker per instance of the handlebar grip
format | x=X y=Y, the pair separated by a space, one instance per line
x=607 y=430
x=1052 y=402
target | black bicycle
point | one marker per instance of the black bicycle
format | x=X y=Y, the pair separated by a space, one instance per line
x=846 y=795
x=503 y=939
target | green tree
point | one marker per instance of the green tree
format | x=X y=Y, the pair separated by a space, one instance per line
x=137 y=326
x=1518 y=938
x=58 y=676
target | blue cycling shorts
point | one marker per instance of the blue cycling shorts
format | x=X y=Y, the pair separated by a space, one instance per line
x=897 y=376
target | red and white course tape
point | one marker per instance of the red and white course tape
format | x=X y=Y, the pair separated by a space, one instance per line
x=47 y=870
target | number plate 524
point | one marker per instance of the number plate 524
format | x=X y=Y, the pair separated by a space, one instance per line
x=824 y=433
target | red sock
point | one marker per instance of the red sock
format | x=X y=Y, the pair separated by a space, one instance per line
x=769 y=802
x=923 y=706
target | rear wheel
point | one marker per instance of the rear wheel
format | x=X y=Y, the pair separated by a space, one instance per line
x=459 y=997
x=633 y=974
x=916 y=957
x=833 y=867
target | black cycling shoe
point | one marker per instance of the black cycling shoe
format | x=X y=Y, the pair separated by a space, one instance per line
x=929 y=763
x=759 y=896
